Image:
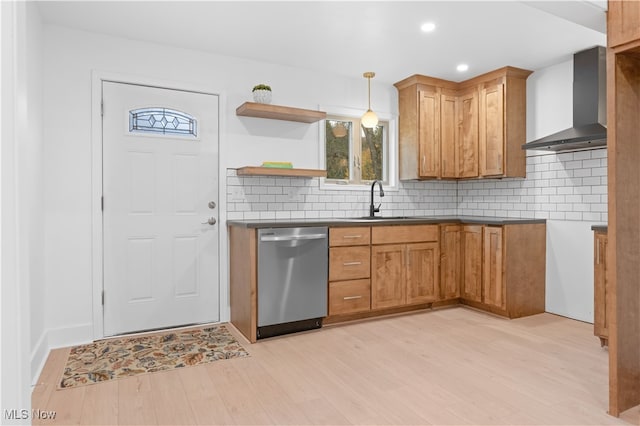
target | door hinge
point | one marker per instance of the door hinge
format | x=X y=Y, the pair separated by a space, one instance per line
x=102 y=203
x=102 y=297
x=102 y=108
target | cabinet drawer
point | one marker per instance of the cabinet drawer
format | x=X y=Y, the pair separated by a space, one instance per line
x=351 y=236
x=404 y=234
x=347 y=297
x=347 y=263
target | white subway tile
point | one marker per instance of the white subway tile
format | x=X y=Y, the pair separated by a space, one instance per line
x=591 y=217
x=573 y=215
x=582 y=155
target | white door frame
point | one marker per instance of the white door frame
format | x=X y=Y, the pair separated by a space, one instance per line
x=97 y=77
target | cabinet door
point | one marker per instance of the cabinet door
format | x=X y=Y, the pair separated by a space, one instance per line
x=468 y=134
x=492 y=281
x=448 y=136
x=600 y=323
x=472 y=262
x=429 y=133
x=422 y=274
x=491 y=128
x=388 y=276
x=450 y=261
x=623 y=22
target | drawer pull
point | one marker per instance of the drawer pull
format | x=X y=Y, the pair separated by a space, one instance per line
x=351 y=263
x=351 y=297
x=351 y=236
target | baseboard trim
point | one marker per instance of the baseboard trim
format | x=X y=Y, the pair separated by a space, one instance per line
x=57 y=338
x=39 y=356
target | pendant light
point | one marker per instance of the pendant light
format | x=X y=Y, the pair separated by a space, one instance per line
x=369 y=119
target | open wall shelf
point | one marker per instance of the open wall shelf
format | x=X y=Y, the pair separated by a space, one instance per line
x=279 y=112
x=270 y=171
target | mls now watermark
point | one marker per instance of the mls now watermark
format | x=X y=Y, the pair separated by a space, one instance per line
x=16 y=414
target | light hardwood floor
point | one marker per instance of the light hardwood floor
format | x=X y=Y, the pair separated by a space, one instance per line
x=450 y=366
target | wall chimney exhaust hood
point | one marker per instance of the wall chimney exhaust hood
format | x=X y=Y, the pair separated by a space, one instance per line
x=589 y=106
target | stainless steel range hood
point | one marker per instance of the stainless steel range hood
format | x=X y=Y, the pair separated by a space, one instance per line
x=589 y=106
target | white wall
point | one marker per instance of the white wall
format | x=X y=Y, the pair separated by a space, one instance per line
x=70 y=57
x=22 y=206
x=569 y=269
x=31 y=184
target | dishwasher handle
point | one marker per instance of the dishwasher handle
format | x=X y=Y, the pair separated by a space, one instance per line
x=268 y=238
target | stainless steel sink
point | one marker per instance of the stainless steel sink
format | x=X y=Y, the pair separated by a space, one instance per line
x=378 y=218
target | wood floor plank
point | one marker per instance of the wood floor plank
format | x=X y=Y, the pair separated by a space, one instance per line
x=170 y=402
x=204 y=398
x=100 y=405
x=447 y=366
x=237 y=395
x=135 y=401
x=48 y=380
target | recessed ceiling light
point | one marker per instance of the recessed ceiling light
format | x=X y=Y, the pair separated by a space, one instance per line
x=462 y=67
x=427 y=27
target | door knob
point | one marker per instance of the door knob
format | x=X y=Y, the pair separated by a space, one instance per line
x=212 y=205
x=210 y=221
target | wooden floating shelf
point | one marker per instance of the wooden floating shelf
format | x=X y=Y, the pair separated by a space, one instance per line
x=279 y=112
x=272 y=171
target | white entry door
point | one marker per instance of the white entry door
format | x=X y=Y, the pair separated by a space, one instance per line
x=160 y=189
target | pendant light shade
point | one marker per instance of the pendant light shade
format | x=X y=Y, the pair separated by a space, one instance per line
x=369 y=119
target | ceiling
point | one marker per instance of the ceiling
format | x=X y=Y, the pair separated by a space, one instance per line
x=349 y=38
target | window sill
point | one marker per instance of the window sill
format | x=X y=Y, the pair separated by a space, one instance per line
x=350 y=187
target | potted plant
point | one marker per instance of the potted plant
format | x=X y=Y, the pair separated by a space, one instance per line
x=262 y=93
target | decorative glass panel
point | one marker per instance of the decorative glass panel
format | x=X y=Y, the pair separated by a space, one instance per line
x=162 y=120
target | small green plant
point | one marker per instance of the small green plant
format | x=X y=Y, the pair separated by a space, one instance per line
x=261 y=87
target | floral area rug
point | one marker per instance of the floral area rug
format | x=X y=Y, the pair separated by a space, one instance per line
x=128 y=356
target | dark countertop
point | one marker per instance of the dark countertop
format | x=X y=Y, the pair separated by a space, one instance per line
x=599 y=228
x=417 y=220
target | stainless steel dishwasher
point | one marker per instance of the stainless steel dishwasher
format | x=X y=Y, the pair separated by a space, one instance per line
x=292 y=279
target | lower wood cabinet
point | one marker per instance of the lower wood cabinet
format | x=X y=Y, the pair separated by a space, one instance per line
x=450 y=261
x=504 y=268
x=493 y=288
x=349 y=270
x=379 y=269
x=600 y=288
x=349 y=297
x=472 y=263
x=404 y=274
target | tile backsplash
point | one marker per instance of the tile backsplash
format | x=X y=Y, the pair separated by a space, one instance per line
x=565 y=186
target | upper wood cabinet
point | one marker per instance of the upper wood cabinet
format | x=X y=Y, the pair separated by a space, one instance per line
x=463 y=130
x=491 y=129
x=449 y=127
x=467 y=141
x=429 y=134
x=623 y=22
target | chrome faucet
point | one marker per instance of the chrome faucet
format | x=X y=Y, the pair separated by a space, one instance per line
x=373 y=209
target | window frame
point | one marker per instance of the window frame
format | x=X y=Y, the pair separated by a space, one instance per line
x=391 y=150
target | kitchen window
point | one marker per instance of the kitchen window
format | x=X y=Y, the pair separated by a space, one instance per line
x=355 y=155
